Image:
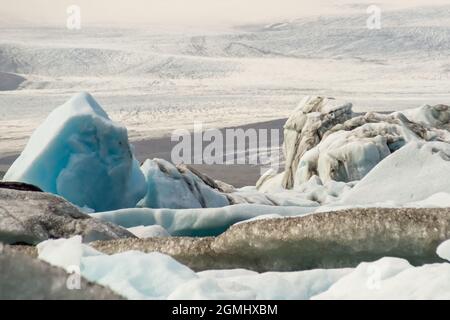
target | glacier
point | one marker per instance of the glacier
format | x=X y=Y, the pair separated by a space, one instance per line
x=83 y=156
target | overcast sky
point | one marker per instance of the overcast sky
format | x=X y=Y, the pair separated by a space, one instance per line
x=181 y=12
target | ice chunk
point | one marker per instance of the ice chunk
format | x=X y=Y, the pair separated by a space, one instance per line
x=443 y=250
x=133 y=274
x=305 y=127
x=196 y=222
x=137 y=275
x=143 y=232
x=413 y=173
x=435 y=116
x=347 y=155
x=392 y=278
x=65 y=253
x=80 y=154
x=168 y=187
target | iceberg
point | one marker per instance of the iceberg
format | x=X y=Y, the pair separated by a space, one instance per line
x=83 y=156
x=305 y=127
x=171 y=187
x=416 y=172
x=324 y=138
x=443 y=250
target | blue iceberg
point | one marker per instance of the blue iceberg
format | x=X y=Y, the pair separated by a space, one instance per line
x=83 y=156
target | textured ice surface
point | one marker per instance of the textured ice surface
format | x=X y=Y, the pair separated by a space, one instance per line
x=168 y=187
x=65 y=253
x=196 y=222
x=347 y=236
x=305 y=128
x=392 y=278
x=137 y=275
x=416 y=172
x=443 y=250
x=143 y=232
x=80 y=154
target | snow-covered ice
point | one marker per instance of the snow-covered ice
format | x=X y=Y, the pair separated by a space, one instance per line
x=144 y=232
x=443 y=250
x=197 y=222
x=138 y=275
x=167 y=187
x=80 y=154
x=415 y=172
x=392 y=278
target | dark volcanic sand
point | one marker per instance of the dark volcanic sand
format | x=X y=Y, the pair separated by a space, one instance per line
x=238 y=175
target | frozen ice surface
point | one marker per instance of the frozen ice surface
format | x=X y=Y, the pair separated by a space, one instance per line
x=138 y=275
x=65 y=253
x=196 y=222
x=392 y=278
x=443 y=250
x=414 y=173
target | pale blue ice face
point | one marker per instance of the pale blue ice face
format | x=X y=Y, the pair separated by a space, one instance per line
x=80 y=154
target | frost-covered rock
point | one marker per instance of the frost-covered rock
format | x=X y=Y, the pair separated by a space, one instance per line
x=81 y=155
x=305 y=127
x=32 y=217
x=170 y=187
x=413 y=173
x=319 y=240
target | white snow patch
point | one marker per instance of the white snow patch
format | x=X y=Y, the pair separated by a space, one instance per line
x=144 y=232
x=443 y=250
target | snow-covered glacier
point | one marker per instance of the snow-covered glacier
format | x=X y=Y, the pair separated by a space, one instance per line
x=83 y=156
